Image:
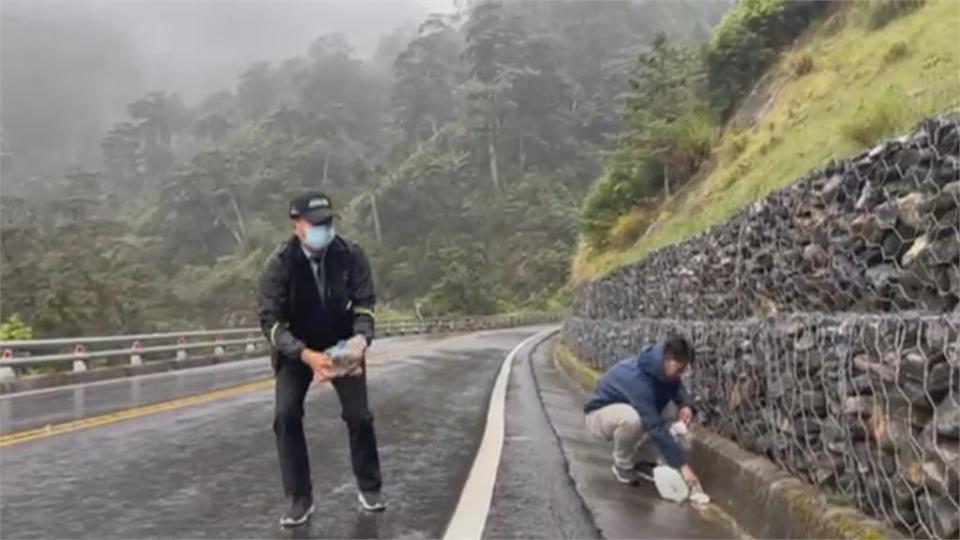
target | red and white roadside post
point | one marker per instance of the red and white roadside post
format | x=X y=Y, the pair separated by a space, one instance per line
x=135 y=358
x=7 y=372
x=79 y=363
x=181 y=353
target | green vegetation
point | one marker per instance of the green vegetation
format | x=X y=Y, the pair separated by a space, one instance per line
x=897 y=51
x=14 y=329
x=880 y=119
x=854 y=96
x=878 y=13
x=613 y=195
x=458 y=163
x=748 y=40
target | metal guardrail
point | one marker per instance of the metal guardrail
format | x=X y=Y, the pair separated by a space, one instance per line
x=20 y=355
x=92 y=340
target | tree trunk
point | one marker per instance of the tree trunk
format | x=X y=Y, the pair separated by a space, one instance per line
x=233 y=230
x=492 y=143
x=666 y=180
x=523 y=155
x=494 y=174
x=239 y=231
x=376 y=217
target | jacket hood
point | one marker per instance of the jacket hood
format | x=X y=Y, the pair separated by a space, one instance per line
x=651 y=362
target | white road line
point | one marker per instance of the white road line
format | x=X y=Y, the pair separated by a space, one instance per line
x=470 y=515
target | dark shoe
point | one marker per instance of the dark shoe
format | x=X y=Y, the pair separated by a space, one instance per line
x=372 y=501
x=625 y=476
x=299 y=512
x=644 y=469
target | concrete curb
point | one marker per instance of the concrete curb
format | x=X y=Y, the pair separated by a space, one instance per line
x=764 y=499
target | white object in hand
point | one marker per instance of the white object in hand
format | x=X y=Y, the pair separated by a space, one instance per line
x=347 y=355
x=697 y=496
x=681 y=433
x=670 y=483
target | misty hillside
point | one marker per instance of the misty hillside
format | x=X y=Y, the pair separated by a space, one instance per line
x=856 y=73
x=458 y=154
x=70 y=67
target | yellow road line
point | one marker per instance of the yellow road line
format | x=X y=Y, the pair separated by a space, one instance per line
x=109 y=418
x=153 y=408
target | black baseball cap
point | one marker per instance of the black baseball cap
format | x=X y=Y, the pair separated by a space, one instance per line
x=312 y=206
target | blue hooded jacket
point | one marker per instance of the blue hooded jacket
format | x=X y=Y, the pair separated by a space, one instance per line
x=639 y=381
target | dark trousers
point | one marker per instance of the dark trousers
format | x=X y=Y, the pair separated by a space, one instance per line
x=293 y=380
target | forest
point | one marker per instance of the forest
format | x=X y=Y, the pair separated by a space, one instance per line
x=458 y=155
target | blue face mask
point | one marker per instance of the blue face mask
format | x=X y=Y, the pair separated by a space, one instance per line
x=318 y=236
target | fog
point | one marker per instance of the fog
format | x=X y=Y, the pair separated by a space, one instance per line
x=70 y=67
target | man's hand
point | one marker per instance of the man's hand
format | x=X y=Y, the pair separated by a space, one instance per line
x=320 y=363
x=689 y=477
x=357 y=345
x=685 y=415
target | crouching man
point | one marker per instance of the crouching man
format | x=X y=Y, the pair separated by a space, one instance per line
x=627 y=407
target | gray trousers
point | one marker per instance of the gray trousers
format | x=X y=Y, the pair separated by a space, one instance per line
x=621 y=424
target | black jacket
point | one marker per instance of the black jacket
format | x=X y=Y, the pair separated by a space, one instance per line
x=295 y=313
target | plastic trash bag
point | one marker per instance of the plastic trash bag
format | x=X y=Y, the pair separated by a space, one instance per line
x=670 y=483
x=347 y=355
x=681 y=433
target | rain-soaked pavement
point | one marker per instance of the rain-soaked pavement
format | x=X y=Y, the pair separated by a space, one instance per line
x=618 y=511
x=210 y=469
x=38 y=408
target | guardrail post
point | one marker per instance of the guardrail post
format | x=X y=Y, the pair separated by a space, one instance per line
x=181 y=353
x=135 y=358
x=218 y=349
x=7 y=372
x=79 y=364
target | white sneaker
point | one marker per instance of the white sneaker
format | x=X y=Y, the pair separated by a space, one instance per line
x=372 y=501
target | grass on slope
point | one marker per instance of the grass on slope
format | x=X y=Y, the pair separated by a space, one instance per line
x=840 y=88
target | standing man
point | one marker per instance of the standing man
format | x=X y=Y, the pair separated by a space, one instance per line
x=316 y=291
x=627 y=406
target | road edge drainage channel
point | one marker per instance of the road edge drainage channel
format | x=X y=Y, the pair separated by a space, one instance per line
x=757 y=496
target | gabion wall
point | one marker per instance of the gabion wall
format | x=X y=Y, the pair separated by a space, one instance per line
x=826 y=319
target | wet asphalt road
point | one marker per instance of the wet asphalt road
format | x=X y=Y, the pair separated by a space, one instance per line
x=54 y=405
x=619 y=511
x=211 y=470
x=533 y=496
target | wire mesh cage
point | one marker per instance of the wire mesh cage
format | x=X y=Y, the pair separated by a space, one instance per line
x=826 y=319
